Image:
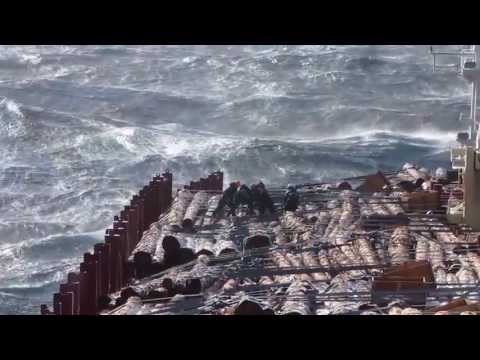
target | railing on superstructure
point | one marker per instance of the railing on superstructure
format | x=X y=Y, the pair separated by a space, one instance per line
x=460 y=59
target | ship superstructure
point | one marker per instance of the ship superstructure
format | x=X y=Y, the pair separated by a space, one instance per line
x=465 y=157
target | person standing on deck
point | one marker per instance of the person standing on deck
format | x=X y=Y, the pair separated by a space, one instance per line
x=228 y=199
x=244 y=196
x=291 y=199
x=262 y=199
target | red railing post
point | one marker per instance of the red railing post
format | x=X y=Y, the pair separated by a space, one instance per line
x=57 y=304
x=220 y=181
x=124 y=213
x=120 y=228
x=150 y=193
x=154 y=199
x=73 y=281
x=132 y=228
x=156 y=187
x=147 y=196
x=84 y=290
x=141 y=195
x=168 y=190
x=91 y=265
x=100 y=250
x=163 y=195
x=114 y=241
x=66 y=299
x=139 y=203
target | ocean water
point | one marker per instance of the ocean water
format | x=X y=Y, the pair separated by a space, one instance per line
x=82 y=128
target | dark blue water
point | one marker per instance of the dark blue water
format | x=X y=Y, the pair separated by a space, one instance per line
x=83 y=127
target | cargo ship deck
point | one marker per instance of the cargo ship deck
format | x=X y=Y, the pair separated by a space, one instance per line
x=387 y=243
x=346 y=250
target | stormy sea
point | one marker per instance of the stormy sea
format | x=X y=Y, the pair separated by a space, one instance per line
x=82 y=128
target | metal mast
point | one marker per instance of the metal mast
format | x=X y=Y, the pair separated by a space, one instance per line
x=475 y=78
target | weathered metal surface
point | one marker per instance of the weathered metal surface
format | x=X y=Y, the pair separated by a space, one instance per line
x=321 y=259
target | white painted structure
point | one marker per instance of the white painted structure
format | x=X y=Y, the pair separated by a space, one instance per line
x=466 y=157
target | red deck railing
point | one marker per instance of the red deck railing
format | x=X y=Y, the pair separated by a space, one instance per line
x=105 y=271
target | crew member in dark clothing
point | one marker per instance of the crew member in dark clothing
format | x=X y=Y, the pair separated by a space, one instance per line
x=291 y=199
x=244 y=197
x=261 y=198
x=228 y=199
x=255 y=195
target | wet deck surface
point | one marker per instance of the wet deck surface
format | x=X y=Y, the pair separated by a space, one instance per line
x=322 y=259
